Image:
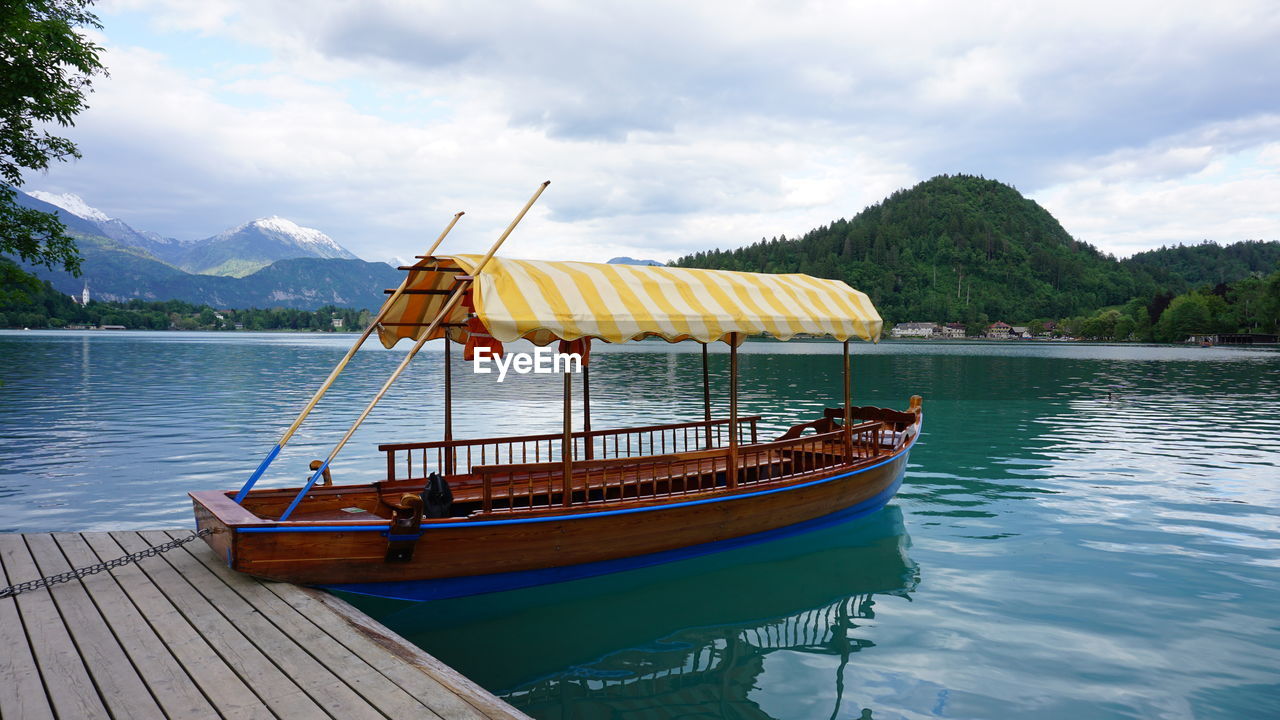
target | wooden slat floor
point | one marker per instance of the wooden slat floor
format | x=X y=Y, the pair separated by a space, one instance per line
x=181 y=636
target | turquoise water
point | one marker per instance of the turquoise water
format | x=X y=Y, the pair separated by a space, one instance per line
x=1084 y=531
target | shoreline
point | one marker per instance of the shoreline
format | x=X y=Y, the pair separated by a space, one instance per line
x=753 y=338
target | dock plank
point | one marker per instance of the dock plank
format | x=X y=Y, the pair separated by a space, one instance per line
x=380 y=692
x=454 y=681
x=21 y=691
x=118 y=684
x=230 y=696
x=173 y=689
x=280 y=693
x=73 y=694
x=293 y=659
x=181 y=636
x=394 y=656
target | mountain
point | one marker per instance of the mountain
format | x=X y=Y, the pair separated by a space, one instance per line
x=72 y=203
x=256 y=244
x=168 y=250
x=122 y=264
x=308 y=283
x=237 y=252
x=969 y=249
x=75 y=224
x=952 y=248
x=624 y=260
x=113 y=272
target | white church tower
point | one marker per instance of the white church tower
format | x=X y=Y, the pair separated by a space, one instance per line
x=84 y=296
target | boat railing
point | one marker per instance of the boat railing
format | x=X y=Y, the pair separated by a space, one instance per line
x=791 y=458
x=894 y=420
x=416 y=461
x=534 y=487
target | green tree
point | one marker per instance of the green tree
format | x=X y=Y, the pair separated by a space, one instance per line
x=1187 y=315
x=46 y=68
x=1270 y=314
x=1125 y=327
x=1101 y=326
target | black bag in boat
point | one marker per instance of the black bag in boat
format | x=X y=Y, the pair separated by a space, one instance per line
x=437 y=499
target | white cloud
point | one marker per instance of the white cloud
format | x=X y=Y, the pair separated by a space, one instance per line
x=1223 y=196
x=983 y=77
x=672 y=127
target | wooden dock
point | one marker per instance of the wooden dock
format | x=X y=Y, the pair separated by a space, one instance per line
x=181 y=636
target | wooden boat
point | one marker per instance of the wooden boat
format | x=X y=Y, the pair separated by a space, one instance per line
x=541 y=508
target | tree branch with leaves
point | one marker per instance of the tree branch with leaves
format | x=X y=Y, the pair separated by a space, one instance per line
x=46 y=69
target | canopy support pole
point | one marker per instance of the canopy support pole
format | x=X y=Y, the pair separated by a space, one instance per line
x=731 y=473
x=566 y=443
x=588 y=446
x=848 y=408
x=333 y=375
x=706 y=399
x=454 y=299
x=448 y=468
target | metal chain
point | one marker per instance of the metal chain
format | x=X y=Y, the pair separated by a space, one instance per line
x=94 y=569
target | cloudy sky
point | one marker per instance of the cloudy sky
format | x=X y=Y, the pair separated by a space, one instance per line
x=667 y=127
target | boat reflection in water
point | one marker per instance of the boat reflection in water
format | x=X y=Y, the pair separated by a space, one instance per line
x=683 y=640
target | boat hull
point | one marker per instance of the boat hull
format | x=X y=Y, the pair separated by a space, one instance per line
x=470 y=557
x=443 y=588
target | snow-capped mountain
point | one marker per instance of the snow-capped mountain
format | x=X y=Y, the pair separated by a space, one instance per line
x=169 y=250
x=73 y=204
x=283 y=264
x=256 y=244
x=289 y=232
x=239 y=251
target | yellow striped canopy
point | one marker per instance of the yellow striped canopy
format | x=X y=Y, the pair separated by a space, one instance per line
x=543 y=301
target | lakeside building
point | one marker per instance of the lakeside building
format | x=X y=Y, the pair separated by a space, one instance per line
x=83 y=298
x=954 y=330
x=914 y=329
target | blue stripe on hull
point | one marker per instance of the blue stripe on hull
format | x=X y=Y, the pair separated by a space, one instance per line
x=442 y=588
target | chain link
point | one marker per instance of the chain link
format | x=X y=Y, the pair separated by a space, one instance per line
x=78 y=573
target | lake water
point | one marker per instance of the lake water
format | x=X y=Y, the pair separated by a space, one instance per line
x=1085 y=531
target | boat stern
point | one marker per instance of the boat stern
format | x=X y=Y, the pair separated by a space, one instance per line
x=216 y=511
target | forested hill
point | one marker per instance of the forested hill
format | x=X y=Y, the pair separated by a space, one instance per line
x=953 y=248
x=1183 y=267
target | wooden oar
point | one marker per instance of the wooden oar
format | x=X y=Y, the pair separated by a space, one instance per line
x=386 y=306
x=448 y=306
